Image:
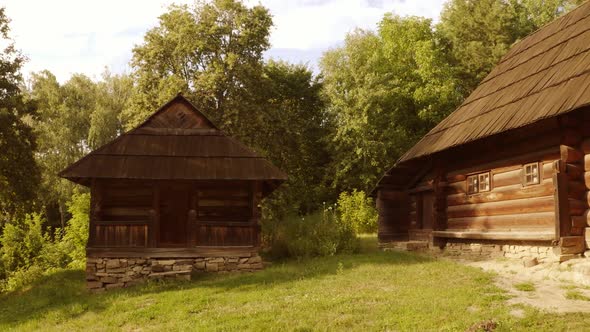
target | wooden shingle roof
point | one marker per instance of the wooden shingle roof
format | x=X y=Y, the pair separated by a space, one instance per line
x=544 y=75
x=175 y=143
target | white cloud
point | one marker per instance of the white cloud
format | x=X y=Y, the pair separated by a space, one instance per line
x=69 y=36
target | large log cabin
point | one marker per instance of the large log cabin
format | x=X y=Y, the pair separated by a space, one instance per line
x=170 y=197
x=508 y=172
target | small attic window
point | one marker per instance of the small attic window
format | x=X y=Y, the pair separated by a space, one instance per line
x=531 y=174
x=181 y=116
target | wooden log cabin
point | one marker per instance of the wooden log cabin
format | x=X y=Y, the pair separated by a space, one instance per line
x=508 y=172
x=170 y=197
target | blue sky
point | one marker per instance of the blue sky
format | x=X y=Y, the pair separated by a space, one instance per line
x=85 y=36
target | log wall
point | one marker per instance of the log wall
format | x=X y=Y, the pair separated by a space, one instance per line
x=127 y=214
x=394 y=215
x=509 y=205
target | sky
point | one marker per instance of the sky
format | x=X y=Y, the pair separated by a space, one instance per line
x=87 y=36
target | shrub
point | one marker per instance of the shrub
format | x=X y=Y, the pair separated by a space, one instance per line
x=358 y=211
x=75 y=235
x=26 y=252
x=317 y=234
x=22 y=241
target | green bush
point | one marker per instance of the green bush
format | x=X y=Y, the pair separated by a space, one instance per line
x=76 y=232
x=357 y=211
x=26 y=252
x=22 y=241
x=317 y=234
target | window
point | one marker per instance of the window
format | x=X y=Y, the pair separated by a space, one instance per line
x=472 y=184
x=531 y=174
x=484 y=182
x=478 y=183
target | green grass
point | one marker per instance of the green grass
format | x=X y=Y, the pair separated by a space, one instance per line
x=525 y=287
x=574 y=294
x=371 y=291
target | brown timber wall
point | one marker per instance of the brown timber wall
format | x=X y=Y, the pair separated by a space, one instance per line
x=131 y=214
x=508 y=206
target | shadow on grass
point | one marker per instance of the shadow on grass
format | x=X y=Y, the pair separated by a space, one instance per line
x=63 y=293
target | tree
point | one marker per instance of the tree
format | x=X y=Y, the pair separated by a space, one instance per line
x=385 y=90
x=73 y=118
x=19 y=174
x=112 y=94
x=62 y=127
x=212 y=52
x=290 y=129
x=479 y=32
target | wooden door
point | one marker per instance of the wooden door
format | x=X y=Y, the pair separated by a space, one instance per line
x=427 y=214
x=174 y=207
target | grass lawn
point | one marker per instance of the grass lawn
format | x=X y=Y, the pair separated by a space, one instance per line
x=371 y=291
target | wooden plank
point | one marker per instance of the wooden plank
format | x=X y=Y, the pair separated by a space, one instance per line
x=570 y=154
x=516 y=191
x=507 y=178
x=511 y=221
x=516 y=206
x=547 y=154
x=122 y=222
x=574 y=172
x=227 y=223
x=571 y=245
x=545 y=235
x=216 y=251
x=561 y=201
x=154 y=229
x=585 y=146
x=126 y=211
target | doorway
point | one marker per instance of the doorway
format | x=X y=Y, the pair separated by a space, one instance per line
x=174 y=207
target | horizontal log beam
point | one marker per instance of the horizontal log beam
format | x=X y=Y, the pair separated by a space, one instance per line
x=545 y=235
x=582 y=220
x=585 y=146
x=548 y=154
x=126 y=211
x=574 y=172
x=506 y=222
x=234 y=251
x=516 y=191
x=121 y=222
x=516 y=206
x=570 y=154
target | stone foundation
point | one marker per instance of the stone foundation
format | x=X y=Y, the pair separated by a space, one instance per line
x=542 y=251
x=106 y=273
x=517 y=250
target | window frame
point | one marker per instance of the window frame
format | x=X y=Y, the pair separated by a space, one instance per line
x=489 y=181
x=473 y=183
x=525 y=183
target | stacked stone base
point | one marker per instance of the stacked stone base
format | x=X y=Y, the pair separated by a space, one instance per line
x=541 y=251
x=106 y=273
x=517 y=250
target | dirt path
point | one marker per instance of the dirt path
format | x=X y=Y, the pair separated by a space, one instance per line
x=552 y=287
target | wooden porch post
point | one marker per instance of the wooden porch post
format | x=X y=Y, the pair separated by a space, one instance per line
x=562 y=209
x=95 y=209
x=440 y=204
x=154 y=232
x=255 y=193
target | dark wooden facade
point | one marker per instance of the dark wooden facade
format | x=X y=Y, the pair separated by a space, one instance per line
x=523 y=134
x=175 y=186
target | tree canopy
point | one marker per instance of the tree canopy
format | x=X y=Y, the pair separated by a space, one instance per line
x=385 y=90
x=18 y=171
x=212 y=52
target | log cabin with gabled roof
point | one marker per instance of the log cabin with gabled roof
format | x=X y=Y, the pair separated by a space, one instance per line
x=508 y=172
x=173 y=196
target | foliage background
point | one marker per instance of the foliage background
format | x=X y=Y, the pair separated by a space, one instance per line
x=334 y=132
